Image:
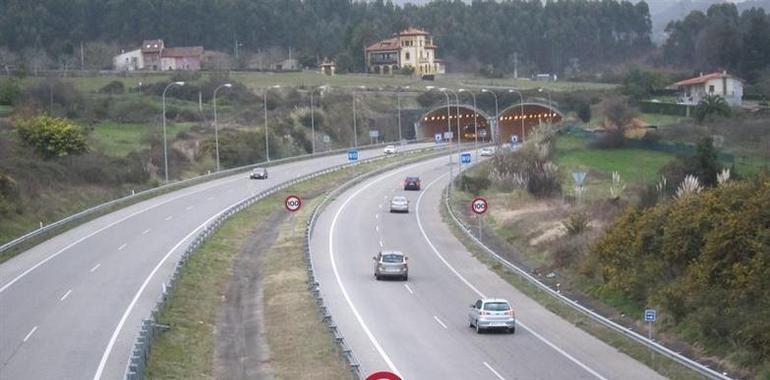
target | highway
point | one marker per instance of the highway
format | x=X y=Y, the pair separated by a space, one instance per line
x=419 y=328
x=71 y=307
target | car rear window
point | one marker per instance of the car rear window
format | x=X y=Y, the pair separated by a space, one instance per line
x=497 y=306
x=399 y=199
x=412 y=179
x=392 y=258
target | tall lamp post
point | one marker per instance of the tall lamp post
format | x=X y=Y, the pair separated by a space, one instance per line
x=550 y=108
x=267 y=135
x=448 y=114
x=521 y=111
x=216 y=126
x=355 y=128
x=398 y=101
x=312 y=115
x=457 y=121
x=475 y=122
x=497 y=115
x=165 y=141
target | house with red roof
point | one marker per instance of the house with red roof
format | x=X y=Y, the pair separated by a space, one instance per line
x=693 y=90
x=411 y=47
x=153 y=55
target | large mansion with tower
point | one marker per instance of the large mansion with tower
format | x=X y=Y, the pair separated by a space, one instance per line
x=411 y=47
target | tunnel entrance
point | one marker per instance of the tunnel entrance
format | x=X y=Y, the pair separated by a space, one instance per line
x=443 y=119
x=522 y=119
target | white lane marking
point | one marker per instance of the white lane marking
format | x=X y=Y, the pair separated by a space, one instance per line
x=122 y=246
x=146 y=231
x=377 y=228
x=229 y=191
x=95 y=267
x=376 y=216
x=481 y=295
x=408 y=288
x=64 y=297
x=439 y=322
x=76 y=242
x=108 y=350
x=169 y=217
x=190 y=207
x=381 y=245
x=380 y=206
x=493 y=371
x=29 y=334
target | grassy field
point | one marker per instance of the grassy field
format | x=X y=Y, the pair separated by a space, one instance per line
x=660 y=119
x=633 y=165
x=119 y=139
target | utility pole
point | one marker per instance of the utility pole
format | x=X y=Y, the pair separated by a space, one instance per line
x=82 y=60
x=515 y=65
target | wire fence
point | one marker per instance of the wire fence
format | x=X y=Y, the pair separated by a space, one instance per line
x=150 y=328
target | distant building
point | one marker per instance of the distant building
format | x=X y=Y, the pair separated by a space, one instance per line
x=693 y=90
x=410 y=48
x=328 y=67
x=286 y=65
x=153 y=55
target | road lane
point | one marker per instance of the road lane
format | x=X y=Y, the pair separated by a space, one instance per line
x=104 y=263
x=404 y=323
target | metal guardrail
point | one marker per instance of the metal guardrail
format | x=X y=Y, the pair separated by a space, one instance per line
x=150 y=329
x=135 y=197
x=627 y=332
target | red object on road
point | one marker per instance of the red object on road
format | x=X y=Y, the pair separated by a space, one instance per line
x=293 y=203
x=383 y=375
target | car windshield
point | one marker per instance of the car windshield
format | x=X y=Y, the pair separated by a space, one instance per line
x=259 y=170
x=497 y=306
x=392 y=258
x=412 y=179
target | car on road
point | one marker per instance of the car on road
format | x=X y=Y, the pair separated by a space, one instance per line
x=258 y=173
x=412 y=183
x=399 y=203
x=487 y=151
x=391 y=264
x=492 y=313
x=390 y=149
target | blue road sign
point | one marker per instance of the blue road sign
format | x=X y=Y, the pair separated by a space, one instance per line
x=353 y=155
x=465 y=158
x=437 y=138
x=650 y=315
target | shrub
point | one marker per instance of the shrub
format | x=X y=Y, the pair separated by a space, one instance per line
x=134 y=110
x=115 y=87
x=473 y=185
x=9 y=195
x=577 y=223
x=54 y=95
x=10 y=90
x=52 y=137
x=407 y=70
x=710 y=106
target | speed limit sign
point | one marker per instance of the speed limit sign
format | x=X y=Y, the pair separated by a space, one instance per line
x=479 y=205
x=293 y=203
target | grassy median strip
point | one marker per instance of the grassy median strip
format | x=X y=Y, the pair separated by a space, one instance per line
x=661 y=364
x=300 y=345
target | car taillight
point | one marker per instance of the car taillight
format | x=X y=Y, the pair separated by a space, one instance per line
x=509 y=312
x=485 y=313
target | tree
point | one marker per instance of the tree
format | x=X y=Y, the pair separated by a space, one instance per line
x=52 y=137
x=711 y=105
x=640 y=84
x=7 y=59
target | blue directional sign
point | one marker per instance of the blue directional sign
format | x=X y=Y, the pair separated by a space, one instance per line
x=465 y=158
x=353 y=155
x=650 y=315
x=437 y=138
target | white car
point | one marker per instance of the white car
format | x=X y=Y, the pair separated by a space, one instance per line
x=399 y=203
x=390 y=149
x=487 y=151
x=492 y=313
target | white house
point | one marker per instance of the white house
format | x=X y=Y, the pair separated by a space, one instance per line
x=128 y=61
x=693 y=90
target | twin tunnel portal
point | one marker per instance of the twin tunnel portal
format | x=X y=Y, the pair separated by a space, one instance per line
x=517 y=120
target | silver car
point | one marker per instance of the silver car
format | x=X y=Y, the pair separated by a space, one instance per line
x=487 y=151
x=399 y=204
x=492 y=313
x=391 y=264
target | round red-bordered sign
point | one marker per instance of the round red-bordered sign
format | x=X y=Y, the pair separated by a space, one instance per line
x=293 y=203
x=383 y=375
x=479 y=205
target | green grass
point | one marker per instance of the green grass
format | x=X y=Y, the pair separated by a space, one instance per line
x=119 y=139
x=633 y=165
x=660 y=119
x=5 y=110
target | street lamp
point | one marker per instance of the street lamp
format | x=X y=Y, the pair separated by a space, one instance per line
x=497 y=114
x=165 y=141
x=267 y=140
x=398 y=100
x=550 y=109
x=312 y=114
x=216 y=127
x=457 y=117
x=521 y=111
x=355 y=129
x=475 y=121
x=448 y=114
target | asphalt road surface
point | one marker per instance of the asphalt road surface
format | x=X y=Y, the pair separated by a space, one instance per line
x=419 y=328
x=71 y=307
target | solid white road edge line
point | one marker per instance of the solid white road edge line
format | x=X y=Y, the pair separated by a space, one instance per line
x=64 y=297
x=146 y=231
x=408 y=288
x=169 y=217
x=122 y=246
x=108 y=350
x=435 y=251
x=439 y=322
x=344 y=291
x=95 y=267
x=29 y=334
x=489 y=367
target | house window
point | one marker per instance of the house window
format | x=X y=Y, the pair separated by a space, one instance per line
x=406 y=58
x=711 y=89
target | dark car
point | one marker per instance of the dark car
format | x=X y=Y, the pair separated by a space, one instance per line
x=412 y=183
x=258 y=173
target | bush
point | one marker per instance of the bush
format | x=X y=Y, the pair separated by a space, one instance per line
x=54 y=95
x=134 y=110
x=577 y=223
x=407 y=70
x=10 y=90
x=113 y=88
x=611 y=139
x=52 y=137
x=473 y=185
x=9 y=195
